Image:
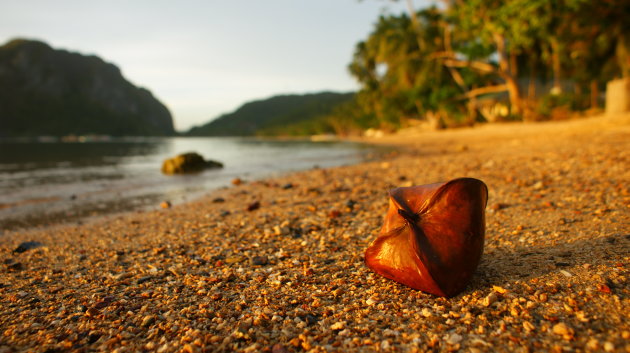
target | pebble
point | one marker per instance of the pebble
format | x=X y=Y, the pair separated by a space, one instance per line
x=253 y=206
x=311 y=319
x=92 y=312
x=340 y=325
x=500 y=290
x=13 y=265
x=499 y=206
x=528 y=326
x=278 y=348
x=609 y=347
x=490 y=299
x=144 y=279
x=426 y=312
x=147 y=321
x=454 y=338
x=592 y=344
x=259 y=260
x=334 y=214
x=281 y=230
x=27 y=245
x=563 y=330
x=344 y=332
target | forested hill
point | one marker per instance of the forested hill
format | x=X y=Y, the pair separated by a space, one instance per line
x=279 y=115
x=56 y=92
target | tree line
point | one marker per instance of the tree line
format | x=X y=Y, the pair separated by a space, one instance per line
x=477 y=60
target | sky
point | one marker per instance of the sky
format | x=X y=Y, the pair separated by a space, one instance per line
x=206 y=58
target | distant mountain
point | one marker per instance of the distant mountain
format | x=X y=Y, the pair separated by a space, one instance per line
x=44 y=91
x=279 y=115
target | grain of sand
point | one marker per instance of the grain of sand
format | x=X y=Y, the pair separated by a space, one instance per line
x=213 y=276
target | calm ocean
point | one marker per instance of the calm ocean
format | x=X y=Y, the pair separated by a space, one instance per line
x=44 y=182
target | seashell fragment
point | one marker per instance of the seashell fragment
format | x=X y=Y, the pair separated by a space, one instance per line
x=432 y=238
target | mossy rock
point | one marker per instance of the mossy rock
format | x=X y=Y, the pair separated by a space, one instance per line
x=186 y=163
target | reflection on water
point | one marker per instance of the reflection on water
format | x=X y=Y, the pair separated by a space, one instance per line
x=42 y=183
x=15 y=156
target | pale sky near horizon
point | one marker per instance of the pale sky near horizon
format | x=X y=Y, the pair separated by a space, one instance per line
x=205 y=58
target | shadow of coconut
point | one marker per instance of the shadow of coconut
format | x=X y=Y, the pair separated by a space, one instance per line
x=503 y=266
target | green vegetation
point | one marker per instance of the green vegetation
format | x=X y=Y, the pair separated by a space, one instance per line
x=280 y=115
x=467 y=62
x=457 y=64
x=57 y=93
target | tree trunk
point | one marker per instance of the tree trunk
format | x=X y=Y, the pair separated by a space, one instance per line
x=531 y=89
x=513 y=65
x=555 y=63
x=516 y=101
x=514 y=92
x=484 y=90
x=594 y=94
x=622 y=52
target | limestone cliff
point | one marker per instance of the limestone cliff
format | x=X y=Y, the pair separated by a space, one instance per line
x=44 y=91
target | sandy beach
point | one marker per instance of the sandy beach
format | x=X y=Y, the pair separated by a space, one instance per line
x=277 y=265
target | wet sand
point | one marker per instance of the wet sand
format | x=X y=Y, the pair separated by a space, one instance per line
x=277 y=265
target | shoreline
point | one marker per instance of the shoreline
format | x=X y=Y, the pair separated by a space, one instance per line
x=211 y=275
x=38 y=197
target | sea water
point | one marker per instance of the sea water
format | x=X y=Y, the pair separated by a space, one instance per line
x=49 y=182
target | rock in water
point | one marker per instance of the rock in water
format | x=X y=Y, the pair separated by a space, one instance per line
x=190 y=162
x=165 y=204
